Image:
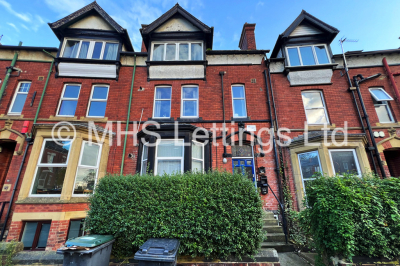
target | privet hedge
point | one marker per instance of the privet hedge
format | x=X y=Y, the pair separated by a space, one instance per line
x=215 y=214
x=352 y=216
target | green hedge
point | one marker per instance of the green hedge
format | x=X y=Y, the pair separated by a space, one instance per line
x=352 y=216
x=215 y=214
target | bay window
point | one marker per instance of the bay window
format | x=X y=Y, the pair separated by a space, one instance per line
x=197 y=156
x=177 y=51
x=51 y=168
x=90 y=49
x=166 y=151
x=380 y=99
x=308 y=55
x=314 y=106
x=344 y=161
x=190 y=101
x=169 y=157
x=309 y=165
x=86 y=174
x=19 y=99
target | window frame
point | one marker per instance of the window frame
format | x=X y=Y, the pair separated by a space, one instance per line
x=177 y=43
x=354 y=156
x=97 y=100
x=62 y=98
x=155 y=99
x=244 y=99
x=382 y=90
x=38 y=164
x=87 y=167
x=301 y=172
x=190 y=99
x=15 y=97
x=196 y=159
x=83 y=226
x=314 y=54
x=37 y=233
x=145 y=145
x=323 y=103
x=156 y=158
x=389 y=112
x=90 y=49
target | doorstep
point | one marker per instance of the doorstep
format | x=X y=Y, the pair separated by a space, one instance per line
x=308 y=256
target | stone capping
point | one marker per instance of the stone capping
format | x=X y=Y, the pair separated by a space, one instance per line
x=318 y=136
x=50 y=200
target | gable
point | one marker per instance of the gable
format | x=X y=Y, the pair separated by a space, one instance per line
x=94 y=22
x=177 y=24
x=305 y=29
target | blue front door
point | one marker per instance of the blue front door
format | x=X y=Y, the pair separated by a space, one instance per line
x=245 y=167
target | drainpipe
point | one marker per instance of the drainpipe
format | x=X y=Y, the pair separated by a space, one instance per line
x=391 y=77
x=346 y=70
x=128 y=115
x=8 y=74
x=29 y=142
x=45 y=86
x=222 y=73
x=375 y=147
x=273 y=136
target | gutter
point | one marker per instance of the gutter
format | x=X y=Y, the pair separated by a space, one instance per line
x=8 y=73
x=128 y=115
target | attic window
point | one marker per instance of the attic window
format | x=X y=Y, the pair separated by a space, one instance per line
x=177 y=51
x=307 y=55
x=88 y=49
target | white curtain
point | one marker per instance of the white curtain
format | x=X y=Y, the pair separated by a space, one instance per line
x=168 y=167
x=110 y=52
x=158 y=53
x=84 y=50
x=196 y=51
x=170 y=148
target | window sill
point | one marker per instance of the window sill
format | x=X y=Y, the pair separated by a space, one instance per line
x=161 y=119
x=390 y=124
x=189 y=119
x=11 y=116
x=312 y=67
x=51 y=200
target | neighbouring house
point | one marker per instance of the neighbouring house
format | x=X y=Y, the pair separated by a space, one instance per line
x=97 y=83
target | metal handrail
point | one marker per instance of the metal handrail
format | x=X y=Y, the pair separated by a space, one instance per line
x=283 y=214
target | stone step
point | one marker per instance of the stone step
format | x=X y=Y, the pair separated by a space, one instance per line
x=269 y=215
x=275 y=237
x=269 y=222
x=272 y=229
x=279 y=246
x=266 y=255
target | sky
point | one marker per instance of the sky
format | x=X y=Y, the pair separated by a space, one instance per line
x=375 y=24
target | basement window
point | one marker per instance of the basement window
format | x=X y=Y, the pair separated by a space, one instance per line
x=177 y=51
x=90 y=49
x=76 y=228
x=35 y=234
x=308 y=55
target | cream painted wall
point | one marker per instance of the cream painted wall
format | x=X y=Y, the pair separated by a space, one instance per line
x=177 y=24
x=92 y=22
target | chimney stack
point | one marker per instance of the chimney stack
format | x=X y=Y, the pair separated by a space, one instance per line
x=248 y=39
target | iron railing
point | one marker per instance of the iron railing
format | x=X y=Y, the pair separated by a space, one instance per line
x=283 y=214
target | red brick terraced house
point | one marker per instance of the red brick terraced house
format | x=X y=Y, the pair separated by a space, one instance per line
x=99 y=85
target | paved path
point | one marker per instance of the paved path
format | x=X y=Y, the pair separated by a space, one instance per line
x=292 y=259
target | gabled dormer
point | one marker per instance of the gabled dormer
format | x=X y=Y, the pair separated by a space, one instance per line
x=176 y=43
x=305 y=46
x=90 y=44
